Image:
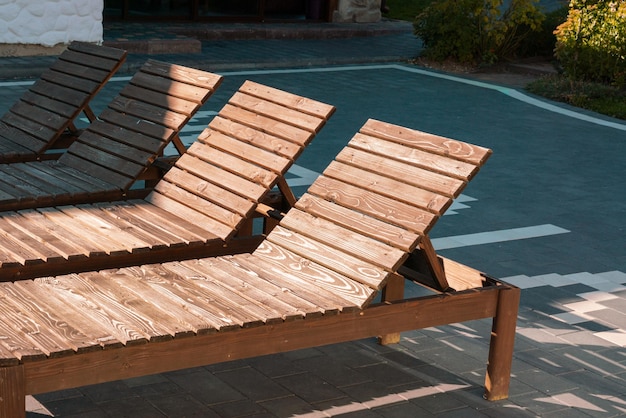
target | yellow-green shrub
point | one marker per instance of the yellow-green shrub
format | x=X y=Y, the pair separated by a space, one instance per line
x=591 y=44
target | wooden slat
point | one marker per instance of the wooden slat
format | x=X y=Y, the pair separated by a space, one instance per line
x=231 y=306
x=461 y=277
x=444 y=146
x=212 y=227
x=65 y=94
x=134 y=124
x=373 y=204
x=332 y=234
x=428 y=160
x=227 y=180
x=196 y=300
x=50 y=104
x=39 y=115
x=326 y=284
x=341 y=262
x=76 y=83
x=23 y=246
x=248 y=152
x=87 y=219
x=106 y=308
x=95 y=242
x=70 y=175
x=209 y=191
x=253 y=281
x=63 y=310
x=183 y=95
x=29 y=183
x=234 y=164
x=50 y=319
x=103 y=169
x=272 y=110
x=265 y=124
x=223 y=215
x=183 y=74
x=148 y=112
x=59 y=240
x=356 y=221
x=96 y=148
x=157 y=306
x=289 y=100
x=79 y=69
x=29 y=335
x=37 y=130
x=172 y=230
x=220 y=276
x=267 y=141
x=105 y=135
x=422 y=178
x=115 y=54
x=395 y=189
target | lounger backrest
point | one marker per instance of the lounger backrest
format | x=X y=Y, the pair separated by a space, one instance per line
x=56 y=99
x=372 y=205
x=253 y=141
x=138 y=124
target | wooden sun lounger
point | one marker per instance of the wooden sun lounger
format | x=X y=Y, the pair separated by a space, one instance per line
x=311 y=282
x=113 y=152
x=44 y=117
x=208 y=195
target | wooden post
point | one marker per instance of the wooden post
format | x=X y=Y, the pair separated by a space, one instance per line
x=393 y=290
x=501 y=346
x=12 y=392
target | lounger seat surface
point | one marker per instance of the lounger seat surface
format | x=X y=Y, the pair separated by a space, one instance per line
x=114 y=151
x=311 y=282
x=198 y=205
x=330 y=254
x=45 y=115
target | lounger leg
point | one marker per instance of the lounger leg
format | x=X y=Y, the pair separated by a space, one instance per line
x=12 y=392
x=501 y=346
x=394 y=290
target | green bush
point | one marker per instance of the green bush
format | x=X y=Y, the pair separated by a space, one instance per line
x=591 y=44
x=476 y=31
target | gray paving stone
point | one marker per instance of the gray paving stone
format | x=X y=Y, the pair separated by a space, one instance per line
x=242 y=408
x=205 y=386
x=253 y=384
x=290 y=405
x=332 y=371
x=310 y=388
x=181 y=405
x=402 y=410
x=545 y=382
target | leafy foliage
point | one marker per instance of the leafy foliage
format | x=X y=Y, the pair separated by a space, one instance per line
x=591 y=44
x=476 y=31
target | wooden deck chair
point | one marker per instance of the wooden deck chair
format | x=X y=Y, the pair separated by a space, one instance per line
x=44 y=117
x=311 y=282
x=210 y=194
x=113 y=152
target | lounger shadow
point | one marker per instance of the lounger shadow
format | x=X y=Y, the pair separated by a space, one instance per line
x=44 y=117
x=210 y=194
x=361 y=230
x=114 y=151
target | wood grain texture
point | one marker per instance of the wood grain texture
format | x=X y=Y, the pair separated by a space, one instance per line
x=47 y=111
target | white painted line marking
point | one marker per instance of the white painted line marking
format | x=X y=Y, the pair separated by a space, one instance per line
x=497 y=236
x=512 y=93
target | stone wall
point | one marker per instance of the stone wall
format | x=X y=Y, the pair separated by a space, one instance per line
x=360 y=11
x=31 y=25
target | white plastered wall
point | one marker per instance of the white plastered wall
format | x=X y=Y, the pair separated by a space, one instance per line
x=49 y=23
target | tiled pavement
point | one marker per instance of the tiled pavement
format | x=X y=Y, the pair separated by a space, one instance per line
x=546 y=213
